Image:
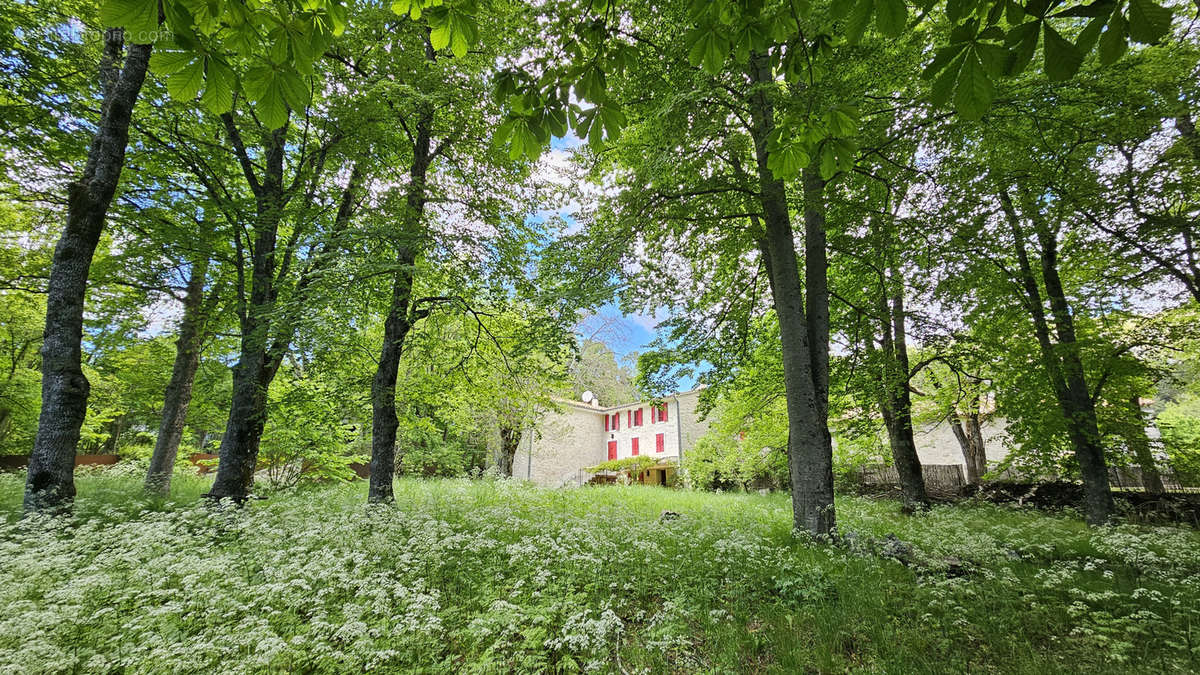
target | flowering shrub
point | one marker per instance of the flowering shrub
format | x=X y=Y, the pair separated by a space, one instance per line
x=498 y=576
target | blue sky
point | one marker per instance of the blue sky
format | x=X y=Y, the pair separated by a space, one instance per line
x=631 y=333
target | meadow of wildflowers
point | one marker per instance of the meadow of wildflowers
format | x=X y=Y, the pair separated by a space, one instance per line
x=497 y=576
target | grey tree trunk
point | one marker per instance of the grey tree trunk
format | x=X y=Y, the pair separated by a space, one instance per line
x=384 y=421
x=967 y=431
x=810 y=462
x=1062 y=362
x=1139 y=442
x=897 y=405
x=178 y=396
x=256 y=367
x=816 y=300
x=510 y=438
x=50 y=484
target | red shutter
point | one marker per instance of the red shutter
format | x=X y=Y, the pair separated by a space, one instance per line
x=616 y=421
x=628 y=418
x=658 y=443
x=606 y=422
x=662 y=413
x=635 y=446
x=612 y=448
x=637 y=417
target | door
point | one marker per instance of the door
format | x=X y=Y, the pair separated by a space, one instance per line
x=612 y=449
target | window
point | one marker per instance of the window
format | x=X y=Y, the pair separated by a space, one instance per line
x=658 y=443
x=635 y=446
x=637 y=417
x=606 y=421
x=662 y=413
x=616 y=421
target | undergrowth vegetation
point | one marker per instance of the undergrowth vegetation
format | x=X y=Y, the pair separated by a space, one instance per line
x=494 y=576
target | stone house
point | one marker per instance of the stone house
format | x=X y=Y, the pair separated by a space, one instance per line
x=585 y=433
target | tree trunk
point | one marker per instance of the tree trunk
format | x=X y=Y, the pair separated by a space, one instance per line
x=899 y=409
x=50 y=484
x=383 y=386
x=810 y=463
x=1139 y=442
x=510 y=438
x=1063 y=364
x=178 y=396
x=970 y=440
x=397 y=324
x=816 y=298
x=255 y=367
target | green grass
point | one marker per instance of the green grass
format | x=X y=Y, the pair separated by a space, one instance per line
x=487 y=577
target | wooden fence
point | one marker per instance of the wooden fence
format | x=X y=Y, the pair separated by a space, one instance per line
x=940 y=479
x=949 y=479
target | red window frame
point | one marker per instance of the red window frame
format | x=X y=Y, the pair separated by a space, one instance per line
x=659 y=443
x=634 y=446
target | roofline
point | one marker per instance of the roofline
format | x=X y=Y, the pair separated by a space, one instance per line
x=635 y=404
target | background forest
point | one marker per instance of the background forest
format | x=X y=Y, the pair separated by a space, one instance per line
x=381 y=185
x=294 y=236
x=337 y=236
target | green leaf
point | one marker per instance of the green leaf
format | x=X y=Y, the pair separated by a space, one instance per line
x=169 y=63
x=295 y=91
x=1097 y=8
x=829 y=163
x=708 y=49
x=556 y=120
x=1062 y=57
x=996 y=59
x=184 y=84
x=401 y=7
x=941 y=59
x=1088 y=36
x=272 y=108
x=464 y=32
x=337 y=18
x=263 y=88
x=957 y=10
x=973 y=95
x=943 y=86
x=786 y=161
x=1148 y=21
x=1024 y=40
x=842 y=121
x=278 y=51
x=613 y=120
x=860 y=16
x=139 y=18
x=1112 y=40
x=891 y=16
x=218 y=88
x=439 y=35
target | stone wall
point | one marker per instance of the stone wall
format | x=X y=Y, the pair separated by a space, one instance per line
x=564 y=442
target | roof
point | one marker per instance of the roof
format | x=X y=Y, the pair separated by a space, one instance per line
x=614 y=408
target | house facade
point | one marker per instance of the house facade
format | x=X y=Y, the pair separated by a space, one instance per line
x=581 y=434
